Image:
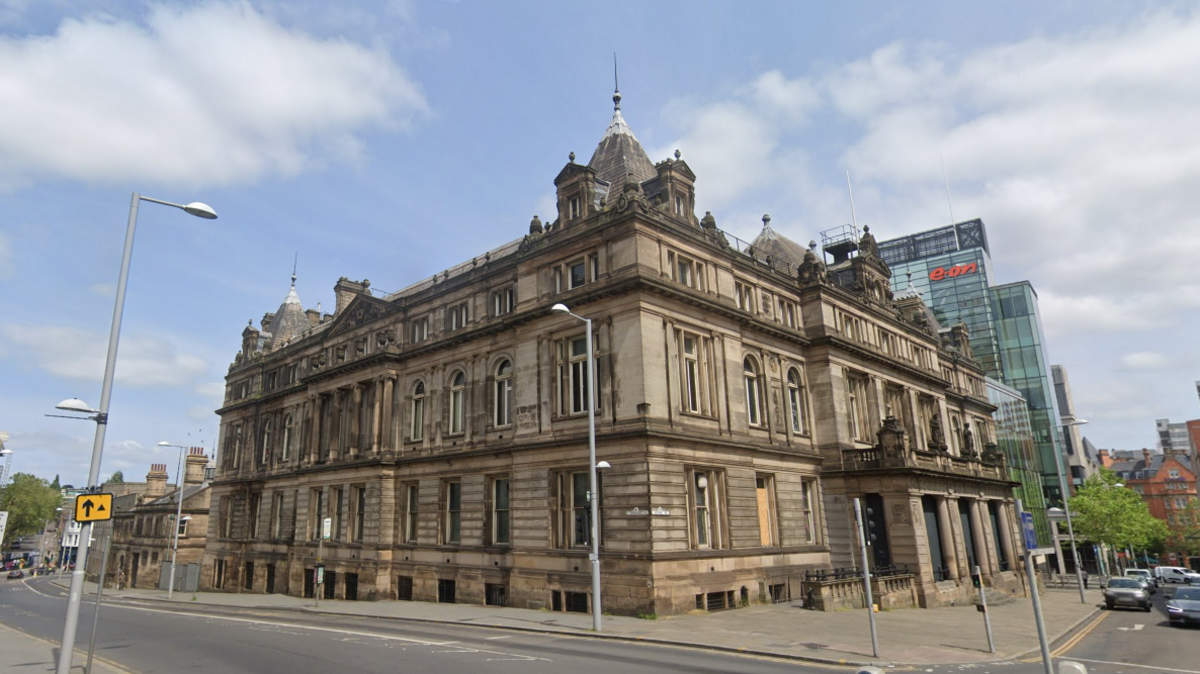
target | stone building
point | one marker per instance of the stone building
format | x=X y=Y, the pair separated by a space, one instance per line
x=744 y=394
x=143 y=525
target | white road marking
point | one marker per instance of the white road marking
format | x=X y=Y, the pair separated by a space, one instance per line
x=1130 y=664
x=332 y=630
x=498 y=638
x=1136 y=628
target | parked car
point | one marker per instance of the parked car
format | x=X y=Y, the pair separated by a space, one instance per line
x=1174 y=574
x=16 y=573
x=1126 y=592
x=1144 y=575
x=1184 y=607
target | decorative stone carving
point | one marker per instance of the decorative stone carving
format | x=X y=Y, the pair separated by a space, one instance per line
x=968 y=443
x=812 y=270
x=992 y=454
x=891 y=437
x=937 y=438
x=899 y=514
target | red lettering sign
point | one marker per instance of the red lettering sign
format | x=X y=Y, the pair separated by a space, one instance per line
x=955 y=271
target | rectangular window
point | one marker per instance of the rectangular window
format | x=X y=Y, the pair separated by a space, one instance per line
x=691 y=373
x=572 y=511
x=679 y=204
x=452 y=526
x=744 y=297
x=695 y=372
x=706 y=498
x=181 y=530
x=420 y=330
x=573 y=208
x=335 y=505
x=810 y=511
x=764 y=491
x=501 y=522
x=857 y=408
x=573 y=375
x=359 y=515
x=316 y=513
x=787 y=313
x=577 y=274
x=277 y=515
x=404 y=588
x=456 y=317
x=503 y=301
x=225 y=517
x=255 y=511
x=412 y=509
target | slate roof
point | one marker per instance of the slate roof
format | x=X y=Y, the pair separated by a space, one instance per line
x=779 y=247
x=290 y=320
x=189 y=491
x=619 y=153
x=1126 y=468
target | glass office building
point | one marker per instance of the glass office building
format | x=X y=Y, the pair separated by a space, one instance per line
x=1015 y=437
x=951 y=267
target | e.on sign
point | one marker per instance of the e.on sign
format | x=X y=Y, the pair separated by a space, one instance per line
x=957 y=270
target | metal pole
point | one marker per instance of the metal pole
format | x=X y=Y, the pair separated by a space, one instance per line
x=99 y=595
x=862 y=541
x=317 y=573
x=178 y=514
x=594 y=495
x=67 y=647
x=1062 y=485
x=1037 y=604
x=987 y=620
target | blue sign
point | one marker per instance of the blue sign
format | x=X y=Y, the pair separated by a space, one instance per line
x=1031 y=542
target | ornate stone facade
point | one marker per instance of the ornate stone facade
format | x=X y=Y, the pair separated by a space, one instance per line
x=442 y=429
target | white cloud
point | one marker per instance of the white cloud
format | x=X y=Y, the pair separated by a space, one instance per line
x=214 y=93
x=103 y=289
x=80 y=354
x=1145 y=360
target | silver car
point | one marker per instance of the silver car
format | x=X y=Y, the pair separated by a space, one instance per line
x=1142 y=576
x=1126 y=592
x=1184 y=607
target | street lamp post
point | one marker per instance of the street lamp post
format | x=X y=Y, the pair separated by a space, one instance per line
x=593 y=493
x=178 y=514
x=1062 y=485
x=100 y=416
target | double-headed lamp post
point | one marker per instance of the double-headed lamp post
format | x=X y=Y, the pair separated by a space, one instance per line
x=100 y=416
x=593 y=493
x=1066 y=512
x=178 y=514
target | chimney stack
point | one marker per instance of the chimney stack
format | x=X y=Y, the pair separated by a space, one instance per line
x=156 y=480
x=193 y=472
x=1146 y=457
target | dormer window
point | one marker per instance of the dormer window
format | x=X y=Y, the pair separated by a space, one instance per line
x=679 y=204
x=574 y=208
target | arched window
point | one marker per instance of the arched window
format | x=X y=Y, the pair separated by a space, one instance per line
x=753 y=392
x=501 y=415
x=417 y=424
x=797 y=402
x=265 y=454
x=457 y=413
x=289 y=436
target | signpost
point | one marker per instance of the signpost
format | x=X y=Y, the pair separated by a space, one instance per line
x=1030 y=546
x=3 y=523
x=93 y=507
x=319 y=568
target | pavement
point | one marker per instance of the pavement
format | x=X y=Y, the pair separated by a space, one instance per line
x=21 y=652
x=949 y=635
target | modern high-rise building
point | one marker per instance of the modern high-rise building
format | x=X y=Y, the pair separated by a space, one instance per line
x=1014 y=436
x=1082 y=460
x=952 y=268
x=1173 y=435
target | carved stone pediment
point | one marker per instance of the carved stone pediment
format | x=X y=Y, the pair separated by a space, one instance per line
x=362 y=311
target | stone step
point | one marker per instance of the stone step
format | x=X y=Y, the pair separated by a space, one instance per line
x=994 y=597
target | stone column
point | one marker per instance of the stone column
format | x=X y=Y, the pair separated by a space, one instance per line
x=354 y=435
x=313 y=441
x=376 y=415
x=949 y=551
x=982 y=555
x=1006 y=538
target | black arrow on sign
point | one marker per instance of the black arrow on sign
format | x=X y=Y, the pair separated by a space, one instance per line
x=87 y=508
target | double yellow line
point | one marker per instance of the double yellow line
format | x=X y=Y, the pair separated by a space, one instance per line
x=1074 y=641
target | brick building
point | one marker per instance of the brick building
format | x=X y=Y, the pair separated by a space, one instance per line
x=745 y=393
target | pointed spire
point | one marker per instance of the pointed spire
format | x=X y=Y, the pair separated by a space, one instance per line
x=616 y=86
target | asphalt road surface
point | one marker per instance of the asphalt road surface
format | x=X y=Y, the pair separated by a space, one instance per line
x=151 y=637
x=1122 y=641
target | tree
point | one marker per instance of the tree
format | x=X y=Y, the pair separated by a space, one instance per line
x=30 y=502
x=1184 y=535
x=55 y=484
x=116 y=477
x=1115 y=516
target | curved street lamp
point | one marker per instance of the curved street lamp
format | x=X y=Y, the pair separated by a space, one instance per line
x=1066 y=512
x=178 y=514
x=593 y=494
x=100 y=416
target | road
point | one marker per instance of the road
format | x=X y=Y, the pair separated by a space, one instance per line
x=150 y=637
x=1122 y=641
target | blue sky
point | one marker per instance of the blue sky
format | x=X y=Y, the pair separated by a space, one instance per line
x=392 y=140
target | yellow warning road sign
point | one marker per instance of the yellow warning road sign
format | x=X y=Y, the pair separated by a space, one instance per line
x=93 y=507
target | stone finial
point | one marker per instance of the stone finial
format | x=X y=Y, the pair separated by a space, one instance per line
x=535 y=226
x=572 y=157
x=678 y=154
x=812 y=245
x=766 y=220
